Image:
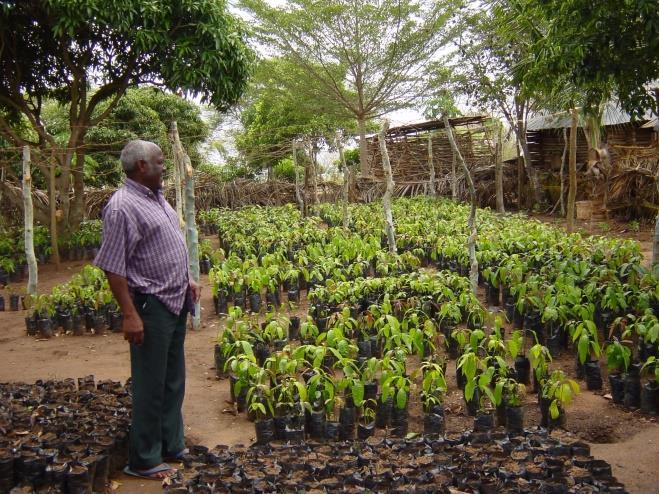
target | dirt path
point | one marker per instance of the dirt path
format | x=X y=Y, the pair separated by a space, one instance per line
x=634 y=458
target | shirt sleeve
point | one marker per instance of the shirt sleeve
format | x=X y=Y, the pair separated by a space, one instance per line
x=120 y=236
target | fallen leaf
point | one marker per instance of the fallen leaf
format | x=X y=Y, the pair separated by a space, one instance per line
x=114 y=485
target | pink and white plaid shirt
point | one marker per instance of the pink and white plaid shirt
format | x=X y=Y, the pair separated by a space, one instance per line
x=142 y=242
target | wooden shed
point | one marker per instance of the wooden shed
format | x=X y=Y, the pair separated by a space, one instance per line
x=621 y=135
x=621 y=180
x=407 y=146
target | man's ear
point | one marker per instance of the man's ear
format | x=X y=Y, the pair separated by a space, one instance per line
x=140 y=166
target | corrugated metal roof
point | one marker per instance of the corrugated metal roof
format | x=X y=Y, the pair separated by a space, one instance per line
x=612 y=115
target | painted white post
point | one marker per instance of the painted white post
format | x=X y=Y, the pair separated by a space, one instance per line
x=33 y=277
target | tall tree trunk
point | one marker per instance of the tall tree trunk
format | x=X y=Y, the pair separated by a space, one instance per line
x=346 y=180
x=498 y=173
x=298 y=193
x=363 y=151
x=314 y=175
x=191 y=234
x=564 y=155
x=33 y=276
x=77 y=211
x=389 y=191
x=63 y=183
x=471 y=224
x=173 y=136
x=52 y=204
x=431 y=166
x=572 y=192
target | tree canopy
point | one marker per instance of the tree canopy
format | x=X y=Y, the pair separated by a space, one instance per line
x=275 y=115
x=604 y=48
x=87 y=54
x=367 y=56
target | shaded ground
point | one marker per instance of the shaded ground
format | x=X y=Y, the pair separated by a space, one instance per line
x=629 y=441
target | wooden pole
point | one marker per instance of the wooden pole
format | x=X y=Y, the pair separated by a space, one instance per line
x=454 y=179
x=572 y=191
x=431 y=166
x=298 y=193
x=565 y=149
x=173 y=136
x=191 y=233
x=33 y=275
x=498 y=172
x=389 y=191
x=471 y=224
x=520 y=178
x=346 y=180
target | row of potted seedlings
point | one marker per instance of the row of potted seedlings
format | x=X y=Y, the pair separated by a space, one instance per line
x=13 y=264
x=85 y=305
x=62 y=436
x=83 y=244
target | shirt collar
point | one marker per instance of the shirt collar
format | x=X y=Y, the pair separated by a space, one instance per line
x=140 y=189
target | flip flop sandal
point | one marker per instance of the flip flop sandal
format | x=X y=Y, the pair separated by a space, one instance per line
x=149 y=474
x=178 y=457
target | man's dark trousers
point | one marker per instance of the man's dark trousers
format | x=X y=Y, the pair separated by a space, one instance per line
x=158 y=381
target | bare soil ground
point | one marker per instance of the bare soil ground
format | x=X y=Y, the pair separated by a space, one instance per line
x=628 y=440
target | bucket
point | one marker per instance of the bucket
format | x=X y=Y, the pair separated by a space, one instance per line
x=584 y=210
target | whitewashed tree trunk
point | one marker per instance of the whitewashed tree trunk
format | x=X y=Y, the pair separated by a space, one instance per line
x=498 y=173
x=346 y=180
x=33 y=276
x=572 y=191
x=389 y=191
x=471 y=224
x=191 y=234
x=298 y=193
x=173 y=136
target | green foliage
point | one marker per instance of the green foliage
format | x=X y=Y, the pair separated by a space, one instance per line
x=275 y=115
x=561 y=390
x=601 y=48
x=285 y=170
x=358 y=59
x=87 y=54
x=618 y=356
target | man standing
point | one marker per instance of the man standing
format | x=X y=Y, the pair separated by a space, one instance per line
x=145 y=259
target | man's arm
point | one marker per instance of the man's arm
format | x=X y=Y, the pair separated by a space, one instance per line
x=132 y=325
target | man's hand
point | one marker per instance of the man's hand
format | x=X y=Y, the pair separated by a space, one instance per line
x=196 y=291
x=133 y=328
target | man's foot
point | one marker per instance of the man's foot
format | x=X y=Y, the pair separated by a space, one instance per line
x=159 y=472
